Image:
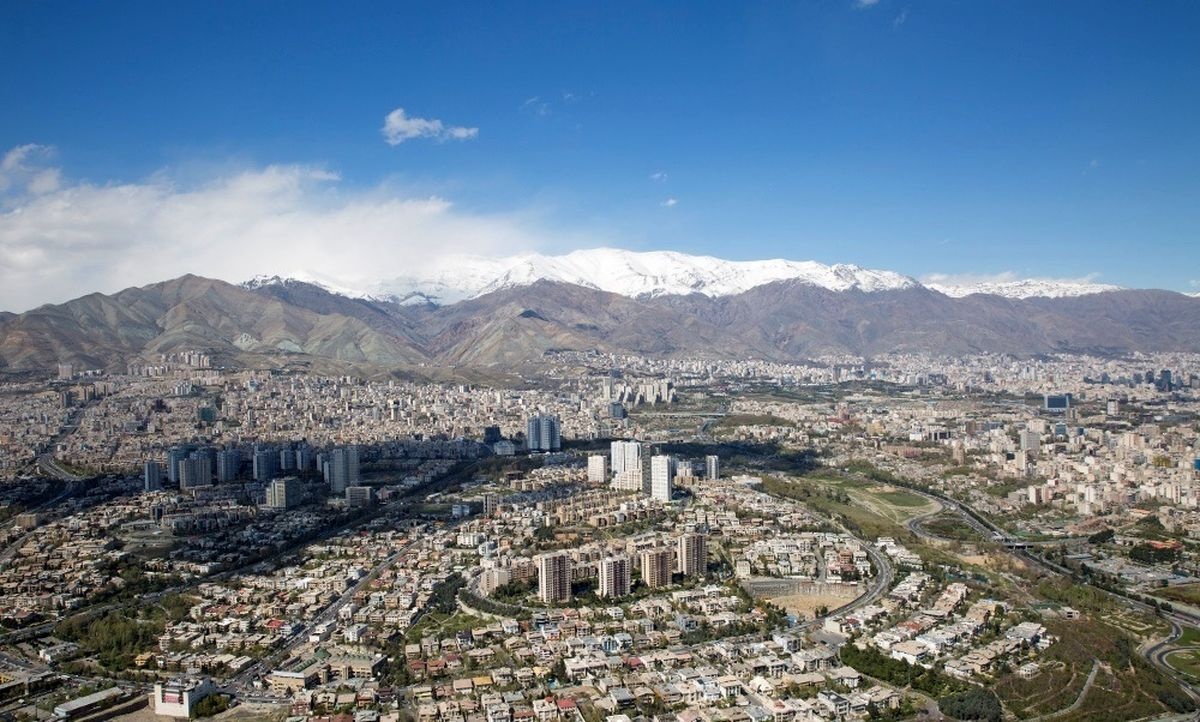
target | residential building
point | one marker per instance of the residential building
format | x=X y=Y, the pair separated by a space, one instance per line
x=152 y=476
x=554 y=577
x=662 y=477
x=597 y=469
x=656 y=567
x=284 y=493
x=614 y=576
x=343 y=469
x=543 y=433
x=360 y=497
x=712 y=467
x=693 y=553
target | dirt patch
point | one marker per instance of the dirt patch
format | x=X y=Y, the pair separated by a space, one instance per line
x=804 y=605
x=993 y=562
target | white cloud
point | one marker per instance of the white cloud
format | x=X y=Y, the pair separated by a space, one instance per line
x=286 y=219
x=964 y=279
x=536 y=105
x=860 y=4
x=398 y=127
x=550 y=103
x=670 y=203
x=20 y=170
x=659 y=176
x=900 y=19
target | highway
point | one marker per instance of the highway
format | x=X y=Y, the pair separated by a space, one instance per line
x=54 y=469
x=1155 y=654
x=17 y=543
x=879 y=585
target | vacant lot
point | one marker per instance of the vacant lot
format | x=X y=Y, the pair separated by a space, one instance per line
x=804 y=606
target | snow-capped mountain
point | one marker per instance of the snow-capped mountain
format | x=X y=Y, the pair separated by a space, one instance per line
x=656 y=273
x=454 y=278
x=664 y=273
x=1024 y=288
x=265 y=280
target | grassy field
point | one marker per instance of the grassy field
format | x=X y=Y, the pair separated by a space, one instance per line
x=1187 y=658
x=854 y=504
x=1186 y=661
x=823 y=499
x=890 y=502
x=443 y=625
x=1186 y=593
x=950 y=526
x=903 y=499
x=1190 y=637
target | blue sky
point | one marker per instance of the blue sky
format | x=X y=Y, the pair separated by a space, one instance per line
x=1055 y=139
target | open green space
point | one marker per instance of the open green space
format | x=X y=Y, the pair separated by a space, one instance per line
x=950 y=526
x=442 y=624
x=834 y=503
x=1186 y=661
x=900 y=498
x=1126 y=685
x=1185 y=593
x=1190 y=636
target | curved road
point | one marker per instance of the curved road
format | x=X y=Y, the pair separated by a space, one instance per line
x=1155 y=654
x=877 y=587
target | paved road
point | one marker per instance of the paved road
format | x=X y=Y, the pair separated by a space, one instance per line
x=877 y=587
x=880 y=584
x=246 y=676
x=1155 y=654
x=17 y=543
x=53 y=468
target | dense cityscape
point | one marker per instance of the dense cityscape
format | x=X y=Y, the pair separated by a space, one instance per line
x=578 y=361
x=617 y=538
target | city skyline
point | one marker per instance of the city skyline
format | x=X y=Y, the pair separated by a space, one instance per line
x=611 y=362
x=1054 y=145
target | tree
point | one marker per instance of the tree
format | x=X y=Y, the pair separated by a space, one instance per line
x=213 y=704
x=975 y=703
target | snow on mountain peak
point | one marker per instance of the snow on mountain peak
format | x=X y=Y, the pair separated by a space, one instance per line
x=629 y=273
x=265 y=280
x=453 y=278
x=1021 y=288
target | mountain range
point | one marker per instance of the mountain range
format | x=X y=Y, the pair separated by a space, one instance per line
x=453 y=278
x=602 y=301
